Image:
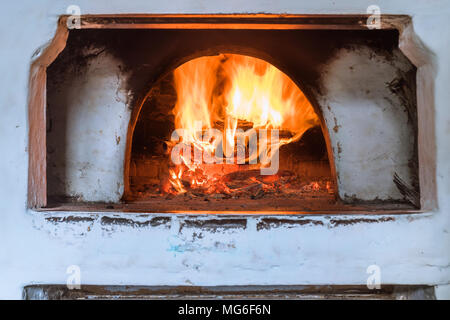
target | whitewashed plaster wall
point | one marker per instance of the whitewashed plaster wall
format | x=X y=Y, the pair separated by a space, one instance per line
x=89 y=122
x=38 y=248
x=368 y=125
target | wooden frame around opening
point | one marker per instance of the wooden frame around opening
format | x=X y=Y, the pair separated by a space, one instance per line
x=37 y=175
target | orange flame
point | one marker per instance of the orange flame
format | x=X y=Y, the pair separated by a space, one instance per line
x=221 y=90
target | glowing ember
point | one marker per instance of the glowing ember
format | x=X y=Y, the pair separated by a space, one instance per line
x=315 y=186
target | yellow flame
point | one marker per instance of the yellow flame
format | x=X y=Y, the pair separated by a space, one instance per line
x=231 y=87
x=226 y=88
x=175 y=180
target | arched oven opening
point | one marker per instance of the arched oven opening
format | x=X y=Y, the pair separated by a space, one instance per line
x=228 y=132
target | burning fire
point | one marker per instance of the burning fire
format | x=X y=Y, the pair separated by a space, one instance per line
x=233 y=93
